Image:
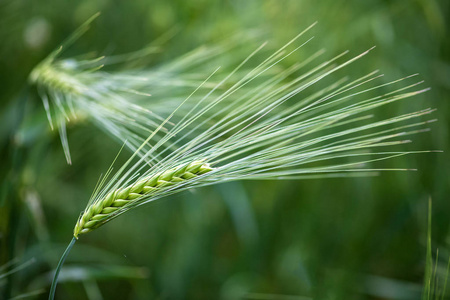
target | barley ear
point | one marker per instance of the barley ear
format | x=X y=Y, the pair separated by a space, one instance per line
x=102 y=210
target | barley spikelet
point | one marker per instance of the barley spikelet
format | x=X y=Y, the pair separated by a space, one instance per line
x=56 y=79
x=101 y=211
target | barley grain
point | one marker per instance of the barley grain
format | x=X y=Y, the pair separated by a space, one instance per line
x=97 y=214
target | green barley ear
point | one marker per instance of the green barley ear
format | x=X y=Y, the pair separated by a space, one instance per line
x=263 y=127
x=100 y=212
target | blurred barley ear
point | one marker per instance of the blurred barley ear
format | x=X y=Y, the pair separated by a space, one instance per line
x=127 y=103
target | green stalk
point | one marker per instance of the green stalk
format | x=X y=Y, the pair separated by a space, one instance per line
x=58 y=268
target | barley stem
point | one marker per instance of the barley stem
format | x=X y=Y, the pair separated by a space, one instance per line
x=58 y=269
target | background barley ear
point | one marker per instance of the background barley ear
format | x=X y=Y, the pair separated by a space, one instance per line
x=123 y=95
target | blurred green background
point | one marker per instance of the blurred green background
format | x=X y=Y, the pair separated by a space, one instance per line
x=347 y=238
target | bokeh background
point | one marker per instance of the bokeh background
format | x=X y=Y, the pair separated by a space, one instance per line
x=342 y=238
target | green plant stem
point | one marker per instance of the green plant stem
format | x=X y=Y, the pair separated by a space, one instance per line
x=58 y=268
